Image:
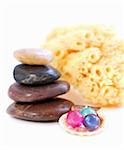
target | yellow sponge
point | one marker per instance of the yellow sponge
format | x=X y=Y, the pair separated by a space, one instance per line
x=91 y=59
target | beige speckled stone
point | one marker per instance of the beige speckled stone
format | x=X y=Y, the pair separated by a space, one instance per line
x=33 y=56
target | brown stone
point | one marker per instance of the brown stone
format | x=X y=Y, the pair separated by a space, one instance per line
x=50 y=110
x=22 y=93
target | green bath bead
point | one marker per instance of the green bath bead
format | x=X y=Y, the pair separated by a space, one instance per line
x=88 y=110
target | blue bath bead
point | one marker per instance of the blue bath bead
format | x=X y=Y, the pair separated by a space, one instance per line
x=88 y=110
x=91 y=122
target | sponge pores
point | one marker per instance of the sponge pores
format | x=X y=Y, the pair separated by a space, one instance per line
x=91 y=59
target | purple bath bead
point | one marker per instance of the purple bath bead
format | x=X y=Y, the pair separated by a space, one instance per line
x=91 y=122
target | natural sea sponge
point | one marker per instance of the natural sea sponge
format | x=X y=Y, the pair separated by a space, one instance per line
x=91 y=59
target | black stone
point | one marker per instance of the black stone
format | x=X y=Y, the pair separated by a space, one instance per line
x=35 y=75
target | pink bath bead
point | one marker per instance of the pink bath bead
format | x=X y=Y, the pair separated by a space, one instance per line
x=74 y=119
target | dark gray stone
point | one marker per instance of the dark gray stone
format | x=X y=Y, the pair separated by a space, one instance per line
x=35 y=75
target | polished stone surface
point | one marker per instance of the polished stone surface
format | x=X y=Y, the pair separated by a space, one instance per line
x=50 y=110
x=34 y=56
x=23 y=93
x=35 y=75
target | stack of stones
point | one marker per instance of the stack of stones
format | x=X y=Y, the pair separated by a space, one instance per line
x=36 y=89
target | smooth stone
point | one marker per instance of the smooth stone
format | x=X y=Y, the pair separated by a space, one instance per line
x=22 y=93
x=51 y=110
x=35 y=75
x=34 y=56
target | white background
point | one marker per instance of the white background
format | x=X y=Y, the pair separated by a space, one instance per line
x=25 y=24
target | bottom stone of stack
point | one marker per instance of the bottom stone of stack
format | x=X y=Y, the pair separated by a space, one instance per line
x=48 y=111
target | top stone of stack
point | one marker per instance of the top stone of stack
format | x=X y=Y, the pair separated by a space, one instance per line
x=34 y=56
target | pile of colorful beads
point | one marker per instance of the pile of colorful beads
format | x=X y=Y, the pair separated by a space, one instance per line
x=84 y=120
x=87 y=118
